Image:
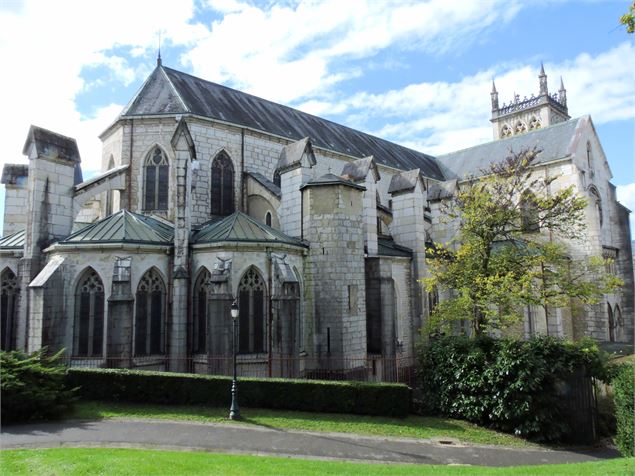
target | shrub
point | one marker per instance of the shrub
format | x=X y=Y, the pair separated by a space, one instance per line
x=183 y=389
x=623 y=384
x=33 y=387
x=506 y=384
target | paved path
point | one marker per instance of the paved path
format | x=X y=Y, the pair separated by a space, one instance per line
x=267 y=441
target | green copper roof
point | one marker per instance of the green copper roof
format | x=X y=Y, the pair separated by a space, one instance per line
x=239 y=227
x=124 y=227
x=14 y=241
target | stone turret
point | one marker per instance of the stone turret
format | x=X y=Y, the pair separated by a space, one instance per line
x=528 y=114
x=333 y=224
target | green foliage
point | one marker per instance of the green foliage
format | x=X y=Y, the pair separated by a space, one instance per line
x=505 y=384
x=624 y=391
x=33 y=387
x=498 y=264
x=184 y=389
x=628 y=19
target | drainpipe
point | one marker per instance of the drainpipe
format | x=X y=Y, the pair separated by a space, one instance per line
x=129 y=207
x=269 y=313
x=242 y=169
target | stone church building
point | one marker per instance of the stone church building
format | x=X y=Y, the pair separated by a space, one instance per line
x=319 y=231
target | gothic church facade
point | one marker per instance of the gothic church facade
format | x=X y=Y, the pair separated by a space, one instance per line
x=317 y=230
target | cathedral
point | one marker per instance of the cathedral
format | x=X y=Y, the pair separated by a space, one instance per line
x=209 y=195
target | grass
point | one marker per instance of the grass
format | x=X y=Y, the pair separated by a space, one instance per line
x=98 y=461
x=410 y=427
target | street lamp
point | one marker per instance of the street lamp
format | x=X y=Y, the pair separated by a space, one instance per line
x=234 y=411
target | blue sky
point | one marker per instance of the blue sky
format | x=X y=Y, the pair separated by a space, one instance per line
x=418 y=73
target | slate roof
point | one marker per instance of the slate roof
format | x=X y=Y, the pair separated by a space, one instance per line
x=331 y=179
x=358 y=170
x=556 y=142
x=265 y=182
x=168 y=91
x=52 y=144
x=387 y=247
x=124 y=227
x=14 y=241
x=404 y=181
x=241 y=228
x=14 y=174
x=291 y=154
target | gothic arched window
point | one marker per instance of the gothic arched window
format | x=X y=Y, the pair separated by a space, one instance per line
x=222 y=199
x=520 y=127
x=89 y=316
x=150 y=315
x=156 y=181
x=202 y=289
x=534 y=123
x=612 y=323
x=597 y=201
x=588 y=154
x=9 y=301
x=251 y=327
x=268 y=219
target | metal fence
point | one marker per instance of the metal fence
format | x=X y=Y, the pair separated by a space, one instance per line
x=364 y=369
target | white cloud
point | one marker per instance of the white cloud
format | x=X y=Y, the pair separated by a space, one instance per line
x=442 y=117
x=44 y=46
x=287 y=53
x=626 y=196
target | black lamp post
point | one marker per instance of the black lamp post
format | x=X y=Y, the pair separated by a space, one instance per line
x=234 y=411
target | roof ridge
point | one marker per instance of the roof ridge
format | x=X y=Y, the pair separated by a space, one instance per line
x=176 y=91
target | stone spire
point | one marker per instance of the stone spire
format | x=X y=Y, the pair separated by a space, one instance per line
x=494 y=96
x=159 y=62
x=542 y=78
x=562 y=93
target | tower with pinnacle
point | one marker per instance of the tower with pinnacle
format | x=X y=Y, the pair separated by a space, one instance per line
x=529 y=113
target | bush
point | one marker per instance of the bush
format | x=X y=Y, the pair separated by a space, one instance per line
x=33 y=387
x=183 y=389
x=506 y=384
x=623 y=384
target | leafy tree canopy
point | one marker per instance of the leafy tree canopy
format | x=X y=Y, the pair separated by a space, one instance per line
x=628 y=19
x=509 y=249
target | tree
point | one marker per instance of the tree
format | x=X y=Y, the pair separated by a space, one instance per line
x=628 y=19
x=509 y=251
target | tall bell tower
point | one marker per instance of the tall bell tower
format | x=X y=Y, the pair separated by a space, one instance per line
x=528 y=114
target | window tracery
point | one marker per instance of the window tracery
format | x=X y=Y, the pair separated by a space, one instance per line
x=251 y=332
x=222 y=198
x=8 y=301
x=534 y=124
x=506 y=131
x=89 y=316
x=156 y=181
x=150 y=315
x=520 y=127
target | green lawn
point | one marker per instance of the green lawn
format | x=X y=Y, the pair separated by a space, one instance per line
x=410 y=427
x=106 y=461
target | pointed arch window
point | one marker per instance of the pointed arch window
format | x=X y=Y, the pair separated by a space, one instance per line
x=222 y=199
x=8 y=301
x=251 y=327
x=150 y=315
x=202 y=290
x=89 y=316
x=156 y=181
x=597 y=201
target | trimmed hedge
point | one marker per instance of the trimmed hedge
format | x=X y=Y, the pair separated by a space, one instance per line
x=32 y=386
x=624 y=394
x=139 y=386
x=506 y=384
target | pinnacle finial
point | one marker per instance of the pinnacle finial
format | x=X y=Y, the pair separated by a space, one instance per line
x=561 y=84
x=493 y=86
x=159 y=62
x=542 y=69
